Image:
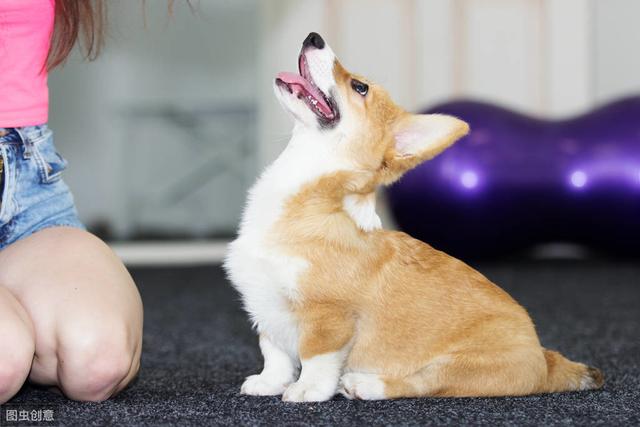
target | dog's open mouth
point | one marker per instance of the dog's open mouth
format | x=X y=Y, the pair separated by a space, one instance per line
x=303 y=86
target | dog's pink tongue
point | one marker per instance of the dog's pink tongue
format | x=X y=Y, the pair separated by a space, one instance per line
x=299 y=84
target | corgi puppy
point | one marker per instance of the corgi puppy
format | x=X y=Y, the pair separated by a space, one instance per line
x=342 y=305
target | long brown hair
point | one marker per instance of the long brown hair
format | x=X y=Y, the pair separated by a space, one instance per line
x=85 y=20
x=74 y=19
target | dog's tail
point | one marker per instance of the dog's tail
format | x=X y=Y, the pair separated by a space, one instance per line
x=565 y=375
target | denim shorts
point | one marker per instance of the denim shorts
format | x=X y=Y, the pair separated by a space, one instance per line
x=34 y=196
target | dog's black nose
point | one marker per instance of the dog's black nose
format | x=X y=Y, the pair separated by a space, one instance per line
x=313 y=39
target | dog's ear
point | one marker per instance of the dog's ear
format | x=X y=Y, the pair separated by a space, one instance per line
x=420 y=137
x=423 y=136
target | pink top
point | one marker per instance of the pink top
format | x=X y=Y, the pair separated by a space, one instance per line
x=25 y=36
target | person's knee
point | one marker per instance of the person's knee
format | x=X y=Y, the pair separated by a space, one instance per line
x=93 y=371
x=15 y=365
x=17 y=346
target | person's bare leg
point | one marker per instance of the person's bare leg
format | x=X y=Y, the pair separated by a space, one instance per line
x=17 y=345
x=85 y=309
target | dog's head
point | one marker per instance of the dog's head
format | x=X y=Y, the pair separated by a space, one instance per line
x=366 y=129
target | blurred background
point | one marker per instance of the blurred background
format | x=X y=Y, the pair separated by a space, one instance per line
x=166 y=131
x=168 y=128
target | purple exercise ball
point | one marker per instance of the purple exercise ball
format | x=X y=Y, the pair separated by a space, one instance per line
x=516 y=181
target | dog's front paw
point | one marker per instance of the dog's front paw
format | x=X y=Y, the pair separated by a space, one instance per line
x=308 y=392
x=357 y=385
x=262 y=385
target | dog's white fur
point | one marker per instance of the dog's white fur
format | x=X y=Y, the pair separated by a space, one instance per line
x=359 y=385
x=264 y=276
x=279 y=371
x=319 y=378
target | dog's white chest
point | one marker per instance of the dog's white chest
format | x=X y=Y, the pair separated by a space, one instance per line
x=267 y=279
x=266 y=276
x=267 y=282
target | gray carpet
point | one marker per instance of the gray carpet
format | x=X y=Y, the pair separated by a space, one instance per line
x=198 y=348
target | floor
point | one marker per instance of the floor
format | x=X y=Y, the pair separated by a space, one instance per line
x=198 y=347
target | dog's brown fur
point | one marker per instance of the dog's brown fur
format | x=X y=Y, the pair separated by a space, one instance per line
x=426 y=323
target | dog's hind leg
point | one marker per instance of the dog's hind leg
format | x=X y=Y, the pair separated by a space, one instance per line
x=469 y=374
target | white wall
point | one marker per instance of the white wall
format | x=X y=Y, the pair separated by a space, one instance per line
x=194 y=59
x=552 y=58
x=616 y=54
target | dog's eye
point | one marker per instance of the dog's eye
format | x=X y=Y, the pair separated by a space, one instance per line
x=358 y=86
